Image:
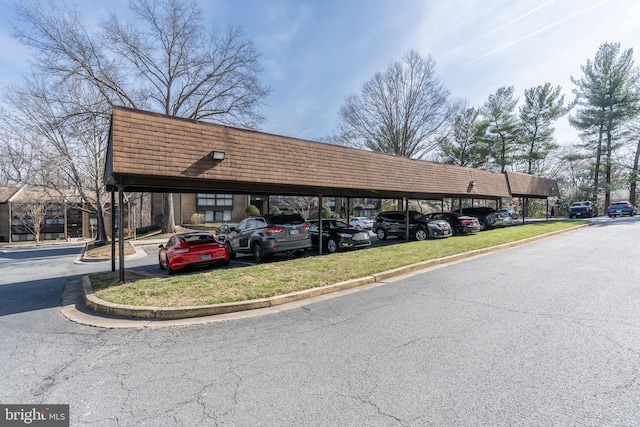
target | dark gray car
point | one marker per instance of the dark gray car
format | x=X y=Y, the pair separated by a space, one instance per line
x=266 y=235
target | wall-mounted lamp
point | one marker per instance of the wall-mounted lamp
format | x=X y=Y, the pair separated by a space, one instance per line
x=217 y=155
x=473 y=183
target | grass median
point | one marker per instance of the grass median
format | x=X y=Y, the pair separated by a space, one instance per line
x=221 y=285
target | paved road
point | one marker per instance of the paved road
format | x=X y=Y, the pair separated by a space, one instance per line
x=544 y=334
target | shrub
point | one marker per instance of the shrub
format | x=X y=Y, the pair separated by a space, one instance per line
x=252 y=210
x=197 y=218
x=274 y=210
x=147 y=229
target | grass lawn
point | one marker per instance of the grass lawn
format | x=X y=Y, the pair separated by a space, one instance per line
x=219 y=285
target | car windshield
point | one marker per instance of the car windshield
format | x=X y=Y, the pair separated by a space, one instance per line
x=417 y=215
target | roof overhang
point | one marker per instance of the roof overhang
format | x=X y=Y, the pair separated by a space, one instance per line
x=158 y=153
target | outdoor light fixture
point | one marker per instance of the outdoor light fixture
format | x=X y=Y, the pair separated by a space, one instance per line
x=473 y=183
x=217 y=155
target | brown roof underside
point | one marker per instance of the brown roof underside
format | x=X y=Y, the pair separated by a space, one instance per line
x=154 y=152
x=523 y=185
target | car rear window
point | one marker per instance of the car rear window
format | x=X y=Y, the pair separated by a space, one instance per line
x=201 y=237
x=282 y=219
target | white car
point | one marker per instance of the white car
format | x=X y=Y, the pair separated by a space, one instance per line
x=361 y=223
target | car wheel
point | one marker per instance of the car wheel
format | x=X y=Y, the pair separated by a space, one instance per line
x=258 y=252
x=298 y=253
x=483 y=225
x=162 y=267
x=381 y=233
x=169 y=269
x=232 y=254
x=421 y=234
x=332 y=246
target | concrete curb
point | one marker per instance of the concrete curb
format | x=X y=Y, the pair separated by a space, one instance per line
x=139 y=253
x=173 y=313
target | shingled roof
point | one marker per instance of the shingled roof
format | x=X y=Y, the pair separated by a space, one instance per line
x=154 y=152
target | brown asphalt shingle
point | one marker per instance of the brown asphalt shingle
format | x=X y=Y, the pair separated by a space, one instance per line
x=167 y=153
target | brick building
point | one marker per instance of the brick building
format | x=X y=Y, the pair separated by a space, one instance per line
x=61 y=214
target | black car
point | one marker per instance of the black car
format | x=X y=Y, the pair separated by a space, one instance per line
x=460 y=224
x=488 y=217
x=583 y=209
x=394 y=223
x=337 y=235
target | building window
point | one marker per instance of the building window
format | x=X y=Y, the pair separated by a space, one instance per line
x=215 y=199
x=217 y=216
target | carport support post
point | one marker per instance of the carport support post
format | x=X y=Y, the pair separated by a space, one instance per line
x=121 y=231
x=348 y=213
x=320 y=224
x=547 y=209
x=406 y=218
x=113 y=231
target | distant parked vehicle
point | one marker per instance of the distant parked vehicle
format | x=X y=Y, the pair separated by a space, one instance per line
x=394 y=223
x=488 y=217
x=460 y=224
x=583 y=209
x=223 y=231
x=192 y=249
x=511 y=212
x=361 y=222
x=507 y=219
x=621 y=208
x=266 y=235
x=337 y=235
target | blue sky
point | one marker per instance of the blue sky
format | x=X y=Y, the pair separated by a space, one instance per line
x=316 y=53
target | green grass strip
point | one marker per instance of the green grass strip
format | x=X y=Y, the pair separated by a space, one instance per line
x=220 y=285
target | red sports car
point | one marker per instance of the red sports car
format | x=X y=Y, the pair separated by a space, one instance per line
x=192 y=249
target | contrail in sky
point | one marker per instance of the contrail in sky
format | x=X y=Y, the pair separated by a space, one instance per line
x=534 y=33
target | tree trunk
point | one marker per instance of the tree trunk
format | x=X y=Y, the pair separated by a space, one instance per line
x=634 y=176
x=101 y=231
x=168 y=219
x=607 y=189
x=597 y=171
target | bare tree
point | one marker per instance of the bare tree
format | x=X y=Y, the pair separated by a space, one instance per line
x=304 y=205
x=32 y=210
x=165 y=60
x=404 y=111
x=67 y=131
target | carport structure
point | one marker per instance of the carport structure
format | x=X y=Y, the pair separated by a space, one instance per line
x=157 y=153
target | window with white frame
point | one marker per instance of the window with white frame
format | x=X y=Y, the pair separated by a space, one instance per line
x=215 y=199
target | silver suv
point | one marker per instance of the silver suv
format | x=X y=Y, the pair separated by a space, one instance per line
x=266 y=235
